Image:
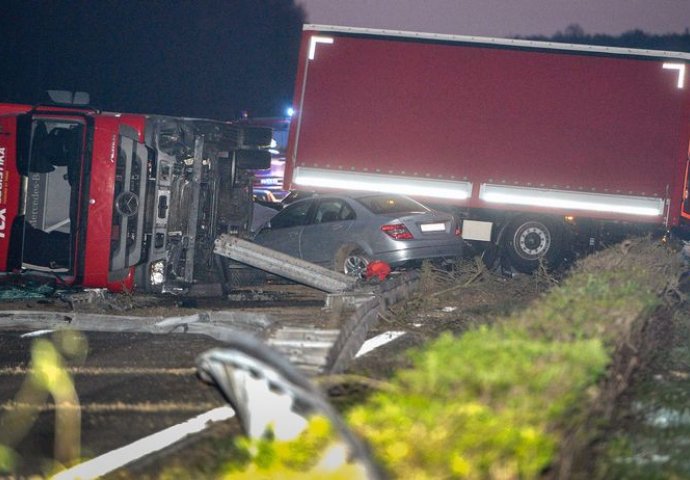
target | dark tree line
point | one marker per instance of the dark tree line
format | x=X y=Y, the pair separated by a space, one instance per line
x=676 y=42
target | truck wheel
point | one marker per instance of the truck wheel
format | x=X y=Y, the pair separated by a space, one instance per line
x=352 y=261
x=233 y=276
x=531 y=240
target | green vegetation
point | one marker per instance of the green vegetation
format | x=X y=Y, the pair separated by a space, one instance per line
x=498 y=401
x=479 y=406
x=311 y=455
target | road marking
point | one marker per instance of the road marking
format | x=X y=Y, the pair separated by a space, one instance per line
x=186 y=371
x=142 y=407
x=378 y=341
x=37 y=333
x=106 y=463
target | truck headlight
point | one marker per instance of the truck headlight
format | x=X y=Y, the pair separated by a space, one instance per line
x=157 y=272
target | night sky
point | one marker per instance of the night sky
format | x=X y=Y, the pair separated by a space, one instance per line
x=202 y=58
x=217 y=58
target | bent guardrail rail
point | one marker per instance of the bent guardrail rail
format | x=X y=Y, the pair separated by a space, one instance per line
x=284 y=265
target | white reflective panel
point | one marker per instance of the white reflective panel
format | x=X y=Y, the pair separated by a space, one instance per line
x=317 y=177
x=681 y=72
x=312 y=44
x=593 y=202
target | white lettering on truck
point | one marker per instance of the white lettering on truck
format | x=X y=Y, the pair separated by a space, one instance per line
x=3 y=210
x=113 y=145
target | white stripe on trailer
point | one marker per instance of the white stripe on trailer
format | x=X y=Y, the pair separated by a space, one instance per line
x=377 y=182
x=566 y=199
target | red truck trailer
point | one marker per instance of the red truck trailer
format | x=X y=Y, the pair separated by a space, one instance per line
x=538 y=145
x=118 y=201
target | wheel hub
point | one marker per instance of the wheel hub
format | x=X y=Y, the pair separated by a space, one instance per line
x=355 y=266
x=533 y=241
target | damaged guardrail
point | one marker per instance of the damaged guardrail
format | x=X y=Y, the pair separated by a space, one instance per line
x=324 y=340
x=284 y=265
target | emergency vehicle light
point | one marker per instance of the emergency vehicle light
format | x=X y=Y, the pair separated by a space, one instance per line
x=412 y=186
x=593 y=202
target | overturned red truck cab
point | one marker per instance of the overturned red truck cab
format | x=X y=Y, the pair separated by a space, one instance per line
x=538 y=146
x=122 y=201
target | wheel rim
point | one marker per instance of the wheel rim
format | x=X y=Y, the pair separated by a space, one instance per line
x=532 y=240
x=355 y=266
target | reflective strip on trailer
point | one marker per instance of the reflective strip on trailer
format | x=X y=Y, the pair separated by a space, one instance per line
x=351 y=180
x=565 y=199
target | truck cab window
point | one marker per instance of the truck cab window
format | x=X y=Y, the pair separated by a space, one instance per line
x=49 y=200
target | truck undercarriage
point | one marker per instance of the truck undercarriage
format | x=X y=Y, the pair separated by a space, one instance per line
x=203 y=190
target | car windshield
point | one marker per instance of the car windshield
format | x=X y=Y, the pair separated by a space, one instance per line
x=293 y=215
x=51 y=180
x=391 y=204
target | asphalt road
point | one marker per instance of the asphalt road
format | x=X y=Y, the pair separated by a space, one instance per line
x=130 y=378
x=128 y=386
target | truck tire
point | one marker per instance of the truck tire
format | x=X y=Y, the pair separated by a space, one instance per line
x=352 y=260
x=232 y=276
x=531 y=240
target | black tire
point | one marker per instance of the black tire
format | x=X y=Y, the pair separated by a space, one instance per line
x=531 y=240
x=352 y=261
x=231 y=275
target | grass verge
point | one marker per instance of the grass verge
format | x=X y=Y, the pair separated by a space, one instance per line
x=505 y=401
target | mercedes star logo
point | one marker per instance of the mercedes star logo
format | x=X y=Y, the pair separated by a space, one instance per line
x=127 y=203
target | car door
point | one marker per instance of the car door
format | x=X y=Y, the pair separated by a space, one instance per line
x=327 y=231
x=282 y=233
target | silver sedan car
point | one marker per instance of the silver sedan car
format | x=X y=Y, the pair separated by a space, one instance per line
x=347 y=231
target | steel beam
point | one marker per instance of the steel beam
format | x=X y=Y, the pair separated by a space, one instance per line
x=284 y=265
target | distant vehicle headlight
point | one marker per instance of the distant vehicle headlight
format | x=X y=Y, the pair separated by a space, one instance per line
x=157 y=272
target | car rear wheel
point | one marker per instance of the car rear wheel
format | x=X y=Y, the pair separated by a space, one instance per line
x=352 y=261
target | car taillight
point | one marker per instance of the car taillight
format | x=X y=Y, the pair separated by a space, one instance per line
x=397 y=231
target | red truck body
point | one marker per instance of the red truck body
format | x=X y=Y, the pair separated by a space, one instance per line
x=500 y=128
x=118 y=201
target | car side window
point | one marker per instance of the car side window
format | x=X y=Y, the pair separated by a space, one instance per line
x=333 y=210
x=292 y=216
